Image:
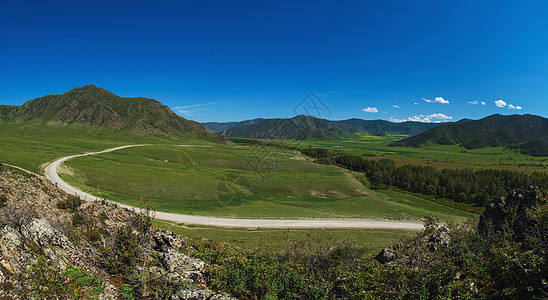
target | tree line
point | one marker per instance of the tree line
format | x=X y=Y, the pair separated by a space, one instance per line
x=478 y=187
x=462 y=185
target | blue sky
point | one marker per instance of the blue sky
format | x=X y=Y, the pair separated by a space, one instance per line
x=236 y=60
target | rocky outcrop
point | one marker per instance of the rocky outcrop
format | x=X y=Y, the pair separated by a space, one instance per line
x=515 y=212
x=434 y=236
x=49 y=252
x=15 y=256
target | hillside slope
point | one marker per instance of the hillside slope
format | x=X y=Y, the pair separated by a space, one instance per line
x=90 y=106
x=527 y=133
x=299 y=127
x=302 y=127
x=381 y=127
x=57 y=246
x=221 y=127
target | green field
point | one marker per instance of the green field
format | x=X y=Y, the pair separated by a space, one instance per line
x=372 y=240
x=442 y=156
x=32 y=144
x=241 y=181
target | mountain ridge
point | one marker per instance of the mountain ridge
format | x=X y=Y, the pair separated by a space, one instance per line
x=96 y=107
x=525 y=133
x=302 y=127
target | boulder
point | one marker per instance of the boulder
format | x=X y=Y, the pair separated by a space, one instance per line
x=184 y=267
x=386 y=255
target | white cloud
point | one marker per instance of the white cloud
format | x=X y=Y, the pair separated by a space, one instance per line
x=184 y=110
x=440 y=116
x=417 y=103
x=482 y=103
x=437 y=99
x=396 y=106
x=441 y=100
x=433 y=118
x=500 y=103
x=473 y=102
x=196 y=105
x=370 y=110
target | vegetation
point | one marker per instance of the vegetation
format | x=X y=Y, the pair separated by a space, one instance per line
x=240 y=181
x=276 y=240
x=307 y=127
x=525 y=133
x=479 y=187
x=467 y=264
x=90 y=106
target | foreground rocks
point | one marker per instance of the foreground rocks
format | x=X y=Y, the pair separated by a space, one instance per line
x=515 y=211
x=87 y=250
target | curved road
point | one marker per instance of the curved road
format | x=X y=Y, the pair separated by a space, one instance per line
x=51 y=174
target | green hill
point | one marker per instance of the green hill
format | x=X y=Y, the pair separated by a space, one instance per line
x=92 y=107
x=221 y=127
x=526 y=133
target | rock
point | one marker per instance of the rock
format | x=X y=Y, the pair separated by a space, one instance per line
x=386 y=255
x=166 y=239
x=55 y=245
x=496 y=216
x=15 y=256
x=183 y=266
x=440 y=237
x=221 y=296
x=192 y=295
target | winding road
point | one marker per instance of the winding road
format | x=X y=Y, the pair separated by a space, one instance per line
x=51 y=174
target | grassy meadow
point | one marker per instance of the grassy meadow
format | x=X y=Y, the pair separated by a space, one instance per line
x=441 y=156
x=243 y=182
x=372 y=240
x=31 y=144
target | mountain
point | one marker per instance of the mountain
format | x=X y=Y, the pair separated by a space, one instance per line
x=90 y=106
x=381 y=127
x=527 y=133
x=301 y=127
x=221 y=127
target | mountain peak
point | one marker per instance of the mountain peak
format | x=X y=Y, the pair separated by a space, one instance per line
x=96 y=107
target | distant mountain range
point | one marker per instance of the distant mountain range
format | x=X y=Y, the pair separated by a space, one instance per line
x=94 y=107
x=527 y=133
x=303 y=127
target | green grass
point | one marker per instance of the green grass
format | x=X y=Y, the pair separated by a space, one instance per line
x=31 y=145
x=277 y=239
x=442 y=156
x=221 y=180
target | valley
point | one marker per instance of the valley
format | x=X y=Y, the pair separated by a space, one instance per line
x=306 y=188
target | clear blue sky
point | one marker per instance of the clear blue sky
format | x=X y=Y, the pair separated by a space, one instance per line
x=236 y=60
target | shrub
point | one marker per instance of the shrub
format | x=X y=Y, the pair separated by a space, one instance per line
x=71 y=203
x=122 y=253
